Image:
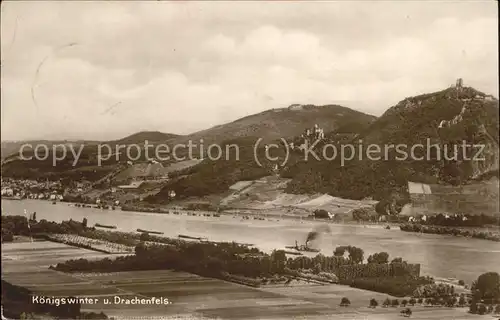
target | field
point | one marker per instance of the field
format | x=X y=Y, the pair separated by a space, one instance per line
x=97 y=245
x=267 y=196
x=26 y=264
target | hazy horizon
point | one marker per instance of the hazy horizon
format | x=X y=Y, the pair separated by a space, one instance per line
x=105 y=70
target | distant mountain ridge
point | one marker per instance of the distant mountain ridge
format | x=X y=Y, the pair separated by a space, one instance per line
x=271 y=125
x=142 y=136
x=8 y=148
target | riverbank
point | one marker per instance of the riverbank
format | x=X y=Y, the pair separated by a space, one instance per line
x=259 y=214
x=478 y=233
x=274 y=215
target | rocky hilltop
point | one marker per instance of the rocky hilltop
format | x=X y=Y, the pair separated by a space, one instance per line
x=446 y=117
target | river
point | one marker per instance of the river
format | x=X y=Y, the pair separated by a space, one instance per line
x=439 y=255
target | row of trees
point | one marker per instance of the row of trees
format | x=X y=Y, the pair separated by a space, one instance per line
x=19 y=225
x=436 y=291
x=481 y=308
x=466 y=220
x=383 y=257
x=213 y=259
x=399 y=286
x=365 y=214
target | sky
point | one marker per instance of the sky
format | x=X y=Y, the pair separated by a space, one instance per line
x=103 y=70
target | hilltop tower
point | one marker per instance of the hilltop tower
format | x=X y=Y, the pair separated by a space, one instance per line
x=459 y=84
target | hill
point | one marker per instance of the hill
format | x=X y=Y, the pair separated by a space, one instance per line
x=279 y=123
x=9 y=148
x=141 y=137
x=211 y=177
x=446 y=118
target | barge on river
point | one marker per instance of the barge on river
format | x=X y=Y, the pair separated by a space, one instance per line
x=149 y=231
x=104 y=226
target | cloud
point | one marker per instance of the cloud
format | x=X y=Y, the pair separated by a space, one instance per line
x=185 y=66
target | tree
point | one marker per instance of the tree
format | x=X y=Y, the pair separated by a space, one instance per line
x=381 y=207
x=497 y=309
x=439 y=301
x=364 y=214
x=321 y=214
x=317 y=268
x=7 y=235
x=373 y=303
x=339 y=251
x=140 y=250
x=397 y=260
x=461 y=283
x=451 y=301
x=406 y=312
x=381 y=257
x=344 y=302
x=488 y=286
x=144 y=236
x=481 y=309
x=395 y=303
x=473 y=307
x=412 y=301
x=387 y=302
x=404 y=302
x=462 y=302
x=279 y=258
x=84 y=222
x=420 y=300
x=356 y=255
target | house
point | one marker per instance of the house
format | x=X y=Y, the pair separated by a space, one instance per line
x=132 y=186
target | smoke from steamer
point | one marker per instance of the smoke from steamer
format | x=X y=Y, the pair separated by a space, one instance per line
x=316 y=232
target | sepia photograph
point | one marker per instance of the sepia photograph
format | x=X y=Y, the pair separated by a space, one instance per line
x=248 y=160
